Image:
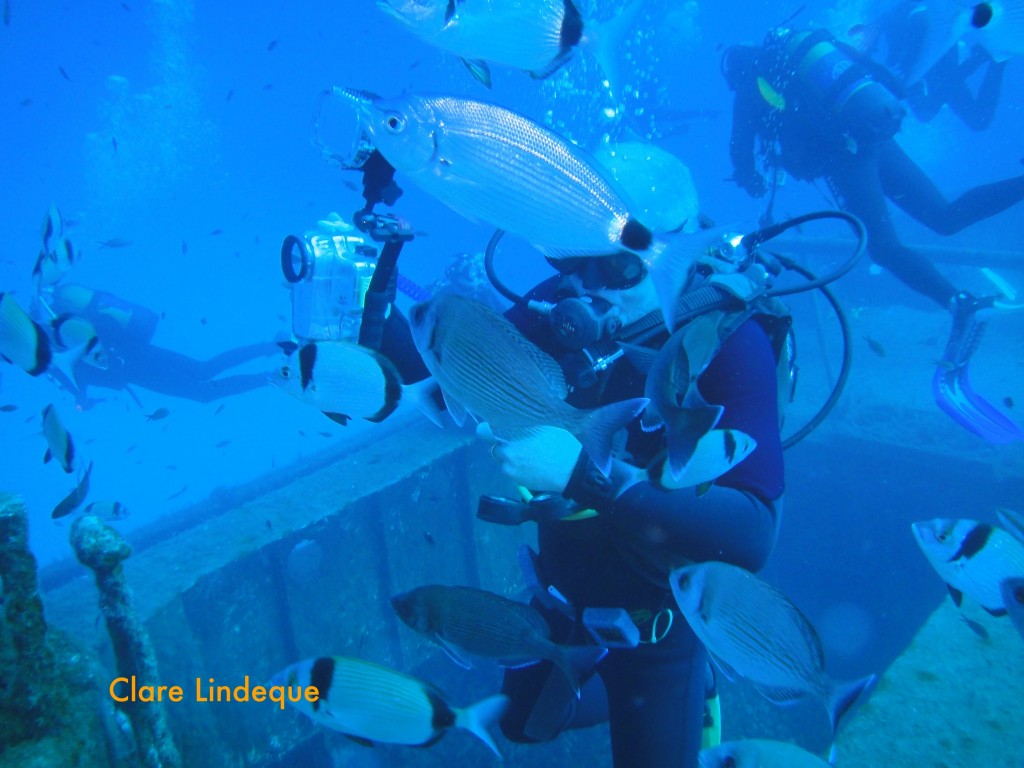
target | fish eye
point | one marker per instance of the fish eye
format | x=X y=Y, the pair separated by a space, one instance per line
x=683 y=580
x=286 y=372
x=395 y=122
x=418 y=313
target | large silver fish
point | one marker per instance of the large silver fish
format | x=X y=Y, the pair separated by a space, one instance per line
x=755 y=631
x=377 y=704
x=972 y=558
x=495 y=166
x=537 y=36
x=487 y=368
x=759 y=753
x=480 y=623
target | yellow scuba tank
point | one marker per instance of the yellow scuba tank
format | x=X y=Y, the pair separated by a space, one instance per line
x=810 y=69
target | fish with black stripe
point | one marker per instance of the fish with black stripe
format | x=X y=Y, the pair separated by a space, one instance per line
x=537 y=36
x=342 y=379
x=371 y=703
x=59 y=444
x=973 y=558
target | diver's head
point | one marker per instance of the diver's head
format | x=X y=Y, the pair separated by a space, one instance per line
x=616 y=272
x=611 y=291
x=738 y=62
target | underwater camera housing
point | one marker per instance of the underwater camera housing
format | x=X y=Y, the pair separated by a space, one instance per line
x=329 y=271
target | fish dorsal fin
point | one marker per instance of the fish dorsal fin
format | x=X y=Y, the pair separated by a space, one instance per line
x=779 y=694
x=641 y=358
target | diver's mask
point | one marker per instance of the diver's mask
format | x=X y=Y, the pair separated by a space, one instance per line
x=581 y=320
x=616 y=272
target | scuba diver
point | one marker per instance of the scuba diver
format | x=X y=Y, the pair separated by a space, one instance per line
x=821 y=110
x=600 y=575
x=124 y=354
x=930 y=76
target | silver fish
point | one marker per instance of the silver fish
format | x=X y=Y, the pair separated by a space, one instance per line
x=715 y=454
x=1012 y=591
x=972 y=558
x=59 y=444
x=759 y=753
x=671 y=386
x=487 y=368
x=53 y=264
x=533 y=35
x=53 y=226
x=480 y=623
x=495 y=166
x=377 y=704
x=343 y=380
x=107 y=510
x=537 y=36
x=73 y=500
x=755 y=631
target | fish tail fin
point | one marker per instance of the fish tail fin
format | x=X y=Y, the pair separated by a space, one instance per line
x=600 y=427
x=66 y=361
x=683 y=432
x=670 y=262
x=577 y=662
x=843 y=696
x=606 y=39
x=478 y=717
x=423 y=395
x=22 y=340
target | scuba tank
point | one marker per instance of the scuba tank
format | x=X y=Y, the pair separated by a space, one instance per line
x=812 y=70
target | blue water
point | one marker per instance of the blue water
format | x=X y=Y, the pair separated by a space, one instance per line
x=184 y=128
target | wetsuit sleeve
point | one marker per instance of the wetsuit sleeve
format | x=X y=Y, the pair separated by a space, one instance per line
x=734 y=521
x=397 y=345
x=746 y=120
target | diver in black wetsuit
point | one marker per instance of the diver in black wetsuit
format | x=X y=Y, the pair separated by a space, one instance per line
x=899 y=37
x=128 y=357
x=809 y=136
x=653 y=695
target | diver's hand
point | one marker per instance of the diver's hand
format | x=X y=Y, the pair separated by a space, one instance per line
x=542 y=460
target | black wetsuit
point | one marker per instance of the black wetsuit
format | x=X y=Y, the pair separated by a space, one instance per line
x=862 y=177
x=653 y=695
x=125 y=331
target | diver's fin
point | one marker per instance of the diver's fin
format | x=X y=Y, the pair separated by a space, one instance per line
x=951 y=385
x=479 y=70
x=954 y=395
